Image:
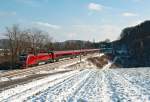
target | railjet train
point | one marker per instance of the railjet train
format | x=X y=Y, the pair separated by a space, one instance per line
x=28 y=60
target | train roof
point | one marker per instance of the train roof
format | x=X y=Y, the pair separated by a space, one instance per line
x=64 y=52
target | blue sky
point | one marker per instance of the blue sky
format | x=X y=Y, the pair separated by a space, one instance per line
x=74 y=19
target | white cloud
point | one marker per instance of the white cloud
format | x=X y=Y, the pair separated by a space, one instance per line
x=81 y=31
x=95 y=7
x=134 y=22
x=47 y=25
x=72 y=35
x=110 y=31
x=129 y=14
x=97 y=32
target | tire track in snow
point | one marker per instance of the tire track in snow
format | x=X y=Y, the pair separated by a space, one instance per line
x=143 y=91
x=106 y=90
x=84 y=91
x=117 y=91
x=125 y=91
x=53 y=92
x=139 y=78
x=95 y=90
x=65 y=95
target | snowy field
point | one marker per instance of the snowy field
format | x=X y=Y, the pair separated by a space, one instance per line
x=90 y=85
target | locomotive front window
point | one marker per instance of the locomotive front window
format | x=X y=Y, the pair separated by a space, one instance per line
x=22 y=58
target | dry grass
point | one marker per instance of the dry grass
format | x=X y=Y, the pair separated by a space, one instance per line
x=4 y=62
x=99 y=61
x=115 y=66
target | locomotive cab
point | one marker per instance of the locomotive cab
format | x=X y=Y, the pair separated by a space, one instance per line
x=22 y=60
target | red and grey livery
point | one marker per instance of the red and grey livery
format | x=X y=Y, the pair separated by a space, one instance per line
x=27 y=60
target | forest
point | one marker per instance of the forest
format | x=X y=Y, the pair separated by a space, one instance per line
x=134 y=46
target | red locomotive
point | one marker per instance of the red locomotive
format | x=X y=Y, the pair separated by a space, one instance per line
x=27 y=60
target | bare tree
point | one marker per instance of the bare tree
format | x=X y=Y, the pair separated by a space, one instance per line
x=39 y=40
x=5 y=49
x=20 y=41
x=47 y=43
x=24 y=41
x=13 y=34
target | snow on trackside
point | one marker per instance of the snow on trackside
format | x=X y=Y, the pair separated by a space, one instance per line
x=52 y=71
x=33 y=87
x=4 y=79
x=73 y=63
x=17 y=77
x=107 y=66
x=84 y=60
x=99 y=55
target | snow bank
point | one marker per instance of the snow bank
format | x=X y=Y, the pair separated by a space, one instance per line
x=17 y=77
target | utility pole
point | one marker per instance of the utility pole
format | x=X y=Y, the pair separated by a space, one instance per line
x=80 y=55
x=99 y=49
x=80 y=52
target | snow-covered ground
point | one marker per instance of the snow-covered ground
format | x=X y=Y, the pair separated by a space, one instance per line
x=85 y=84
x=18 y=93
x=89 y=85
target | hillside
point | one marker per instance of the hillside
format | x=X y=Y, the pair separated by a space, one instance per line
x=135 y=42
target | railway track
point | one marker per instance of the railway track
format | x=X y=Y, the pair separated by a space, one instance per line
x=31 y=70
x=34 y=70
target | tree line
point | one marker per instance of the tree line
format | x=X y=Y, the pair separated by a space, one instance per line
x=23 y=41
